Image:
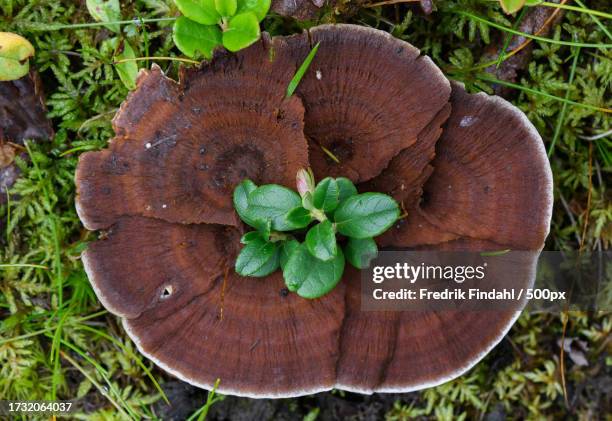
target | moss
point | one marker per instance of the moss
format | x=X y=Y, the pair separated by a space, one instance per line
x=57 y=342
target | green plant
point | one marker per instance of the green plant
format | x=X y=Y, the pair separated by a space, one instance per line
x=511 y=6
x=207 y=24
x=311 y=267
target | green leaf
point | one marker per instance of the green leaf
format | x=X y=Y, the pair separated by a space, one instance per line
x=241 y=202
x=259 y=7
x=15 y=51
x=326 y=195
x=309 y=276
x=272 y=202
x=128 y=71
x=511 y=6
x=360 y=252
x=346 y=188
x=258 y=258
x=264 y=228
x=242 y=31
x=193 y=38
x=366 y=215
x=226 y=8
x=105 y=11
x=307 y=202
x=321 y=241
x=299 y=217
x=201 y=11
x=287 y=249
x=293 y=84
x=250 y=236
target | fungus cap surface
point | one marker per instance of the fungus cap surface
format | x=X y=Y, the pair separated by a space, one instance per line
x=168 y=271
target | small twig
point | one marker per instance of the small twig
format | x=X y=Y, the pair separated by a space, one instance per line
x=597 y=136
x=570 y=215
x=387 y=2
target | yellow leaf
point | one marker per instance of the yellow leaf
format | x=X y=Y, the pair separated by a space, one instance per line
x=15 y=51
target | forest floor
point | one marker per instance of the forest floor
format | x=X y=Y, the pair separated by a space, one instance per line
x=57 y=342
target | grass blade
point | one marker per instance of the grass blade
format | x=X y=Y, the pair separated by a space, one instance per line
x=131 y=355
x=561 y=118
x=200 y=414
x=301 y=71
x=544 y=94
x=526 y=35
x=596 y=20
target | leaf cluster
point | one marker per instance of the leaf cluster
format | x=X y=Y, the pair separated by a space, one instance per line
x=206 y=24
x=311 y=256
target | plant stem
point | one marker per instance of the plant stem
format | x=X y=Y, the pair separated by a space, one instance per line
x=576 y=9
x=319 y=215
x=597 y=21
x=544 y=94
x=276 y=236
x=526 y=35
x=135 y=21
x=502 y=54
x=564 y=107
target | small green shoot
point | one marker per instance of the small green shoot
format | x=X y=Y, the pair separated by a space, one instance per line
x=312 y=259
x=213 y=397
x=301 y=71
x=127 y=69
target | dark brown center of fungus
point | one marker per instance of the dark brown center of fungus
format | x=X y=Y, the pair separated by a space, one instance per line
x=234 y=165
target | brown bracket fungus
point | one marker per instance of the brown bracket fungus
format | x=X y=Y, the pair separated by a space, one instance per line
x=472 y=176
